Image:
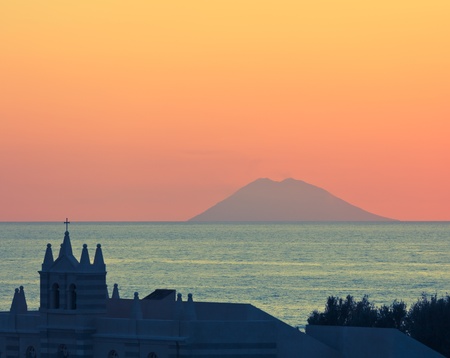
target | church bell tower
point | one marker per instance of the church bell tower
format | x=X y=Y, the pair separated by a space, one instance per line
x=71 y=286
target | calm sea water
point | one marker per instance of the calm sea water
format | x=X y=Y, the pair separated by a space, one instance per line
x=287 y=270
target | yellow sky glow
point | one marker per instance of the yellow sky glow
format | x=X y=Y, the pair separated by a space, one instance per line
x=146 y=110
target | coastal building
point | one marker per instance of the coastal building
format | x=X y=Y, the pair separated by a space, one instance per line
x=78 y=318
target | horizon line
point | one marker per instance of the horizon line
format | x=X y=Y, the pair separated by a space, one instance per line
x=218 y=222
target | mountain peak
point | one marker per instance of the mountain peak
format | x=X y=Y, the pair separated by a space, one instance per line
x=287 y=200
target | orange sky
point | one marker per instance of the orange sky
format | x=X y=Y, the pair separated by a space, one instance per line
x=146 y=110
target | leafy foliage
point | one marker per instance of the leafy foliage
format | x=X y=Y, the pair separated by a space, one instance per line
x=428 y=320
x=348 y=312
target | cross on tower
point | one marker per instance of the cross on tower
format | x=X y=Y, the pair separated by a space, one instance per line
x=67 y=222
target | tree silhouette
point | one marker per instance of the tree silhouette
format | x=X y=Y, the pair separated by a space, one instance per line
x=428 y=320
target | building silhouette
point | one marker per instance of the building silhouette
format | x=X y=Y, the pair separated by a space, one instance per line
x=78 y=318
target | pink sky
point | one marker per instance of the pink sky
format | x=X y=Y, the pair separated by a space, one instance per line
x=139 y=111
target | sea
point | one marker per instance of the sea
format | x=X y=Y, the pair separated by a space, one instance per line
x=286 y=269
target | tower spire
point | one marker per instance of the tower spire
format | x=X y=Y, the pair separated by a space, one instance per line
x=48 y=258
x=136 y=309
x=115 y=293
x=67 y=222
x=66 y=247
x=84 y=260
x=191 y=315
x=19 y=303
x=99 y=263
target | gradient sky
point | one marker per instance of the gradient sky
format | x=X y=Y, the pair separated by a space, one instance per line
x=156 y=110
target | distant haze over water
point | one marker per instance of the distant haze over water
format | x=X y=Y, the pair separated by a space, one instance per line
x=284 y=268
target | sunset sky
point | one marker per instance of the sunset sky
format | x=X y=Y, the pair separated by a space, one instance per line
x=156 y=110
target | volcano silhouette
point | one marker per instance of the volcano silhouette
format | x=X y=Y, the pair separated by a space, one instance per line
x=288 y=200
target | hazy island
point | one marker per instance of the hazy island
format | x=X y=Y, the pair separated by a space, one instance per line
x=288 y=200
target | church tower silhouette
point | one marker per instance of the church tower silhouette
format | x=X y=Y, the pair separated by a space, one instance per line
x=67 y=285
x=72 y=294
